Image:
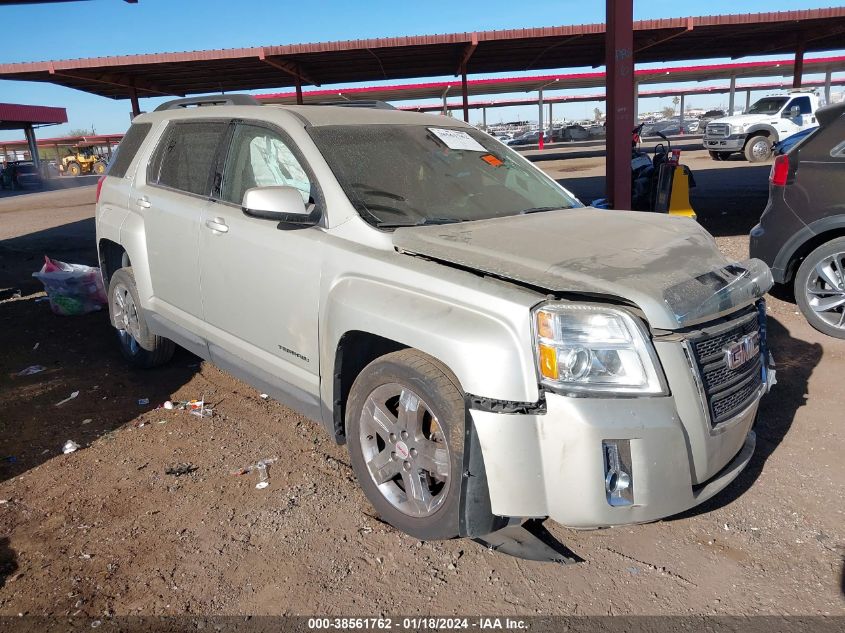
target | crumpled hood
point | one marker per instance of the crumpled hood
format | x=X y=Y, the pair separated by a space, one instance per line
x=669 y=267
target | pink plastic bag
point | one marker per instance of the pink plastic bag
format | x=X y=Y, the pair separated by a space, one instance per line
x=72 y=288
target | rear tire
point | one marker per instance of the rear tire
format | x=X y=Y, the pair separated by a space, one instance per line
x=820 y=288
x=405 y=424
x=99 y=168
x=140 y=347
x=758 y=149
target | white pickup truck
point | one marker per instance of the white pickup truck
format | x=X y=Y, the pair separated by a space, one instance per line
x=769 y=120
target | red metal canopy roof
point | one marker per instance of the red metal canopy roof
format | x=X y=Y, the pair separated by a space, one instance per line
x=14 y=116
x=514 y=50
x=502 y=85
x=502 y=103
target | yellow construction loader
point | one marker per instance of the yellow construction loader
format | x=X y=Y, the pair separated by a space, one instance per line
x=83 y=160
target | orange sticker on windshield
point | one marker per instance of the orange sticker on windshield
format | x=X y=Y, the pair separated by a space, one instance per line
x=492 y=160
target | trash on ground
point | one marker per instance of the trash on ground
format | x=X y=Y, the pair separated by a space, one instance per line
x=194 y=407
x=264 y=396
x=143 y=401
x=72 y=288
x=68 y=399
x=261 y=467
x=32 y=369
x=35 y=347
x=69 y=447
x=177 y=470
x=87 y=421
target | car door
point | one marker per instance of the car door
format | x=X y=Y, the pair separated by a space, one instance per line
x=170 y=196
x=260 y=285
x=804 y=119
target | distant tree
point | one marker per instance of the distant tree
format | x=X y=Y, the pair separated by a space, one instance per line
x=675 y=101
x=597 y=114
x=82 y=132
x=668 y=112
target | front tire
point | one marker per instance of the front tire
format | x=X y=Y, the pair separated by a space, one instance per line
x=140 y=347
x=405 y=422
x=74 y=169
x=99 y=168
x=758 y=149
x=820 y=288
x=720 y=155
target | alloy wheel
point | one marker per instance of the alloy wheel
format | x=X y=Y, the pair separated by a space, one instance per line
x=125 y=318
x=760 y=149
x=405 y=450
x=826 y=290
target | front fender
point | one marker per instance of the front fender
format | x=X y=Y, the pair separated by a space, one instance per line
x=489 y=351
x=771 y=132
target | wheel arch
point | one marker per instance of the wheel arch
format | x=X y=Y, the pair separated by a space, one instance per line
x=761 y=130
x=805 y=242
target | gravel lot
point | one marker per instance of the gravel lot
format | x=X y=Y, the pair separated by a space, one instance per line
x=105 y=531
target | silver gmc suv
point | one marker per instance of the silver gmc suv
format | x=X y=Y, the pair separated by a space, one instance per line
x=490 y=350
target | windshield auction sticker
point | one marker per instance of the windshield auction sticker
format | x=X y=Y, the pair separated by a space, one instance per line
x=457 y=139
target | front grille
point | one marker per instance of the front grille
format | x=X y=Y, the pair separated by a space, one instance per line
x=727 y=391
x=718 y=129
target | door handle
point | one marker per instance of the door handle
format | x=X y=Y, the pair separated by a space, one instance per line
x=218 y=225
x=143 y=202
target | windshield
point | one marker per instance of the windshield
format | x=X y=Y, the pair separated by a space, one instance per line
x=769 y=105
x=401 y=175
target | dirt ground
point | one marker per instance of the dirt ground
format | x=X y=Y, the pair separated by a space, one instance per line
x=105 y=531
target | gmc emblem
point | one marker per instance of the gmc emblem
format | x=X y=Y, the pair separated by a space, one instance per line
x=739 y=353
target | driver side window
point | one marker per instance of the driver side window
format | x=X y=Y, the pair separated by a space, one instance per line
x=258 y=157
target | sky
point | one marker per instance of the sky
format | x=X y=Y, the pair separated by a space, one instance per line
x=112 y=27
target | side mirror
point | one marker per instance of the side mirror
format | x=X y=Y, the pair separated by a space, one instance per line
x=793 y=113
x=280 y=204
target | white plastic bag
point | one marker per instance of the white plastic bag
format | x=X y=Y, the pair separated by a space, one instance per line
x=72 y=288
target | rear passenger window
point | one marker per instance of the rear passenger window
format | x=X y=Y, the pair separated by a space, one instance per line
x=258 y=157
x=185 y=156
x=126 y=150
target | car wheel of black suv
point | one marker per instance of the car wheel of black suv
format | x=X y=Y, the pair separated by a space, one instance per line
x=820 y=288
x=139 y=346
x=405 y=424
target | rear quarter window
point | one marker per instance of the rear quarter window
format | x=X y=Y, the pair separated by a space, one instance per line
x=185 y=156
x=127 y=149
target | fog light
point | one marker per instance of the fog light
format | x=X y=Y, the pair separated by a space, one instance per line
x=618 y=475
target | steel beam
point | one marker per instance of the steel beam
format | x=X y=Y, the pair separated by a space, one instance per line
x=136 y=107
x=747 y=100
x=540 y=131
x=619 y=60
x=33 y=146
x=681 y=115
x=732 y=96
x=827 y=78
x=798 y=66
x=464 y=93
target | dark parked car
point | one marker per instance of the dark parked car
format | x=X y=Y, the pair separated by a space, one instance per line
x=571 y=133
x=801 y=234
x=20 y=175
x=711 y=115
x=670 y=127
x=529 y=138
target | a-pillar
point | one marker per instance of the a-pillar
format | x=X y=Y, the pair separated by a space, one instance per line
x=827 y=78
x=33 y=146
x=731 y=96
x=619 y=60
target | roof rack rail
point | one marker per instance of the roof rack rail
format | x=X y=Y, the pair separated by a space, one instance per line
x=360 y=103
x=208 y=100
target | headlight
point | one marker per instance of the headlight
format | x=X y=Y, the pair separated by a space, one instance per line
x=737 y=129
x=594 y=349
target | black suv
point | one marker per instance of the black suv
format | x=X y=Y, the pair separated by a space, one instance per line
x=801 y=234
